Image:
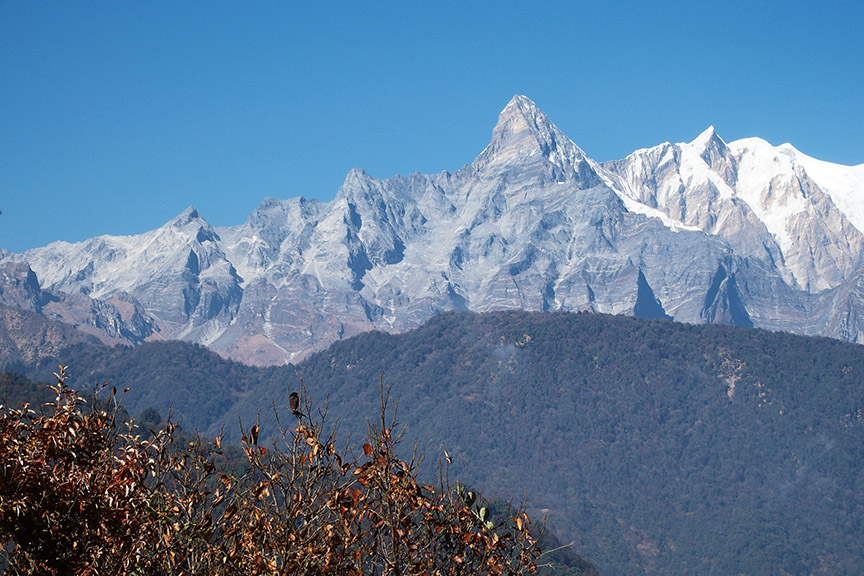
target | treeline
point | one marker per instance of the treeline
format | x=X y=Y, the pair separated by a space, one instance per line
x=196 y=386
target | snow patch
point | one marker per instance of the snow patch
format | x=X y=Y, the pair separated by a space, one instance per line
x=844 y=184
x=762 y=171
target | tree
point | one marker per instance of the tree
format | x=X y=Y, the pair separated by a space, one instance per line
x=150 y=418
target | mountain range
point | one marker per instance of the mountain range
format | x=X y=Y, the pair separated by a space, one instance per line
x=741 y=233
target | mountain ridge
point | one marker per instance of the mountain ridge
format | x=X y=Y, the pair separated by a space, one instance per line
x=531 y=223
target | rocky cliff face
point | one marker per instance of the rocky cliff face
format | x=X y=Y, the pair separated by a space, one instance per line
x=27 y=337
x=119 y=319
x=742 y=233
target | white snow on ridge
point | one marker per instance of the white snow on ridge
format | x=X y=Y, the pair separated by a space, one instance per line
x=844 y=184
x=632 y=203
x=702 y=140
x=696 y=170
x=759 y=164
x=637 y=207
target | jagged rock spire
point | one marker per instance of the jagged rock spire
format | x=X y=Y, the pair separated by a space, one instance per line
x=522 y=130
x=524 y=136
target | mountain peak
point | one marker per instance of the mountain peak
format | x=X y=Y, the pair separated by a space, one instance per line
x=708 y=139
x=524 y=133
x=520 y=118
x=519 y=105
x=713 y=150
x=355 y=182
x=191 y=222
x=189 y=214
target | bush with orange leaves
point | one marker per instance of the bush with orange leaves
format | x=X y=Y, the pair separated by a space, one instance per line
x=82 y=494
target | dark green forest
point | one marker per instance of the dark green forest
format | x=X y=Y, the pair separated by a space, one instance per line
x=655 y=447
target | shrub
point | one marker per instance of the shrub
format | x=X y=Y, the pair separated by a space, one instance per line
x=73 y=497
x=82 y=494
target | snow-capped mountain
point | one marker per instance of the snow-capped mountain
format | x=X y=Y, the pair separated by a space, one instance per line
x=705 y=231
x=763 y=200
x=178 y=273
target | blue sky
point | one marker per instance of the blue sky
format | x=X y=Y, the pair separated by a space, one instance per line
x=115 y=116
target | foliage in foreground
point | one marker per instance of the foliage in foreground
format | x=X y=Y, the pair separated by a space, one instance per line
x=81 y=493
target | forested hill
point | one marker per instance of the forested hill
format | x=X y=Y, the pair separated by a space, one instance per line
x=656 y=447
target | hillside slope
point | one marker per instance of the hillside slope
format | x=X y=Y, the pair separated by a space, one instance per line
x=656 y=447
